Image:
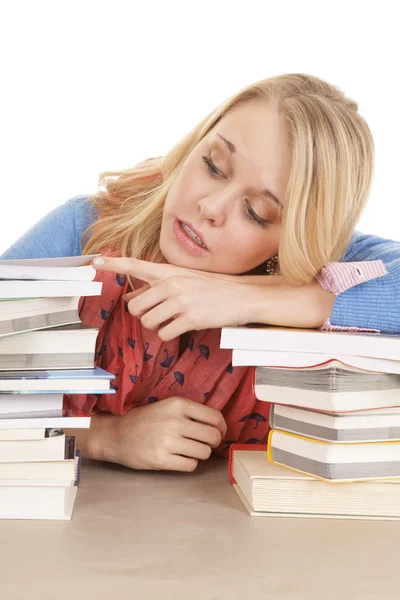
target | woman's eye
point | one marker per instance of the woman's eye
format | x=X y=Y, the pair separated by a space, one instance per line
x=215 y=172
x=254 y=217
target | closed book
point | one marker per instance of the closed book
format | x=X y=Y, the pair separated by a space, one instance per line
x=271 y=358
x=75 y=381
x=68 y=268
x=65 y=347
x=269 y=490
x=330 y=387
x=21 y=406
x=335 y=462
x=37 y=502
x=32 y=289
x=40 y=499
x=361 y=426
x=290 y=339
x=22 y=434
x=53 y=447
x=45 y=423
x=65 y=470
x=29 y=314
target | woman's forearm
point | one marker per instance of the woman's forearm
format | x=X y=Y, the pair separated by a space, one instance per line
x=286 y=305
x=100 y=441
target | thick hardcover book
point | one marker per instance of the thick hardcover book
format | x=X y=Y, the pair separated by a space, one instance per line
x=268 y=490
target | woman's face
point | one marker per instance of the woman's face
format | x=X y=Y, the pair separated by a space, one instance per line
x=229 y=194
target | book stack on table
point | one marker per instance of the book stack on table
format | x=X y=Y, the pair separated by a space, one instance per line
x=45 y=352
x=334 y=445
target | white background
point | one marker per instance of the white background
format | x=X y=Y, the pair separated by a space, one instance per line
x=91 y=86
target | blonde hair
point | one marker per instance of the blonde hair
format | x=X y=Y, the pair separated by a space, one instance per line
x=331 y=173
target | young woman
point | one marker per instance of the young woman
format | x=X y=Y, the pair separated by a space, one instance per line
x=250 y=218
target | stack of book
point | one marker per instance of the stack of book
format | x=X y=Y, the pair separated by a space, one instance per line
x=45 y=352
x=334 y=417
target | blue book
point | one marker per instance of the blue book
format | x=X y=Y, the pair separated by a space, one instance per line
x=65 y=381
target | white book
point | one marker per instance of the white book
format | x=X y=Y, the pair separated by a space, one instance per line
x=22 y=434
x=67 y=339
x=362 y=426
x=37 y=502
x=288 y=339
x=31 y=289
x=268 y=490
x=272 y=358
x=49 y=448
x=16 y=406
x=56 y=269
x=63 y=422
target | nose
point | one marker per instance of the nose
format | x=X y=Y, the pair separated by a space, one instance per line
x=215 y=207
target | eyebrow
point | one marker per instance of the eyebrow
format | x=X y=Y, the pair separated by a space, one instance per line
x=266 y=191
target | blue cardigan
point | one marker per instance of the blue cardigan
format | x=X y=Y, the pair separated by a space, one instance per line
x=374 y=304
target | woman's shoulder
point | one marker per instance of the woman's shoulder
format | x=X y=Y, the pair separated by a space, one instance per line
x=59 y=233
x=364 y=246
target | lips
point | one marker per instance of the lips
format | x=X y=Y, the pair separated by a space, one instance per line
x=194 y=231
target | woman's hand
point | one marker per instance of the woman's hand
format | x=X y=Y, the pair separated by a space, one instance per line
x=172 y=434
x=176 y=300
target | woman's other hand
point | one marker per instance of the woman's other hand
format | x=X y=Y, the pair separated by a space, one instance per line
x=172 y=434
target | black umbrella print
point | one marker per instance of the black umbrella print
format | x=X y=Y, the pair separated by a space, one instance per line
x=131 y=342
x=105 y=313
x=120 y=279
x=252 y=441
x=229 y=368
x=112 y=384
x=228 y=444
x=167 y=360
x=134 y=378
x=120 y=352
x=147 y=356
x=101 y=351
x=152 y=399
x=204 y=351
x=179 y=378
x=256 y=416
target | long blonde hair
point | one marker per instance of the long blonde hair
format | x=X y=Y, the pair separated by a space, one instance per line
x=331 y=173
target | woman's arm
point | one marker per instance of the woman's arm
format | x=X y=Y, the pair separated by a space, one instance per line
x=57 y=234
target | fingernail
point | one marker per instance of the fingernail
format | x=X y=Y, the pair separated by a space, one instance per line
x=98 y=261
x=125 y=297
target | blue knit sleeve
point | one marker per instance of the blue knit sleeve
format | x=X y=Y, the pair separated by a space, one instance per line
x=57 y=234
x=374 y=304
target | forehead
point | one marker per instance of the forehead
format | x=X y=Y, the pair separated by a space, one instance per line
x=259 y=135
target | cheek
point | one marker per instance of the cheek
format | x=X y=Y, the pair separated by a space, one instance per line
x=249 y=248
x=189 y=187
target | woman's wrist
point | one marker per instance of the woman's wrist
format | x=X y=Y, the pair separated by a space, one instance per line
x=287 y=305
x=100 y=441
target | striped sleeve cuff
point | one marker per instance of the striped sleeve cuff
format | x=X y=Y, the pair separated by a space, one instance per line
x=338 y=277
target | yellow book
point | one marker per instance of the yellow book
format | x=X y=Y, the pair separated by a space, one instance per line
x=335 y=462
